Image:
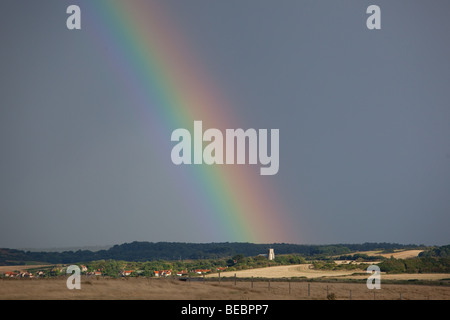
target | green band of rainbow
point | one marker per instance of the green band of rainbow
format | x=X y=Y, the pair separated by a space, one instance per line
x=163 y=77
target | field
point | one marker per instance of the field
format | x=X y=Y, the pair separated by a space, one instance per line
x=299 y=270
x=397 y=254
x=22 y=268
x=305 y=271
x=165 y=289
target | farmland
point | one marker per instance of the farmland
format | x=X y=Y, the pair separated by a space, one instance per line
x=412 y=274
x=167 y=289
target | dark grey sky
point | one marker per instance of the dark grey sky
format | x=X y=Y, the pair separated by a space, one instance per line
x=364 y=119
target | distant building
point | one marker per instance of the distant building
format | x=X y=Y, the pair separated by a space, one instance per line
x=26 y=275
x=126 y=273
x=202 y=271
x=11 y=274
x=182 y=273
x=163 y=273
x=271 y=254
x=221 y=268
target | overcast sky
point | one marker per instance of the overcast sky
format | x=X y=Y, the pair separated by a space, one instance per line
x=364 y=119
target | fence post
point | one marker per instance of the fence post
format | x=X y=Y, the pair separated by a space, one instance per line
x=327 y=291
x=235 y=279
x=268 y=286
x=289 y=287
x=219 y=277
x=309 y=289
x=252 y=282
x=350 y=294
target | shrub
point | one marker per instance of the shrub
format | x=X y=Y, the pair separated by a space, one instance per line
x=331 y=296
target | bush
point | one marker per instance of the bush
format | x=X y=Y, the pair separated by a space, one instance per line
x=331 y=296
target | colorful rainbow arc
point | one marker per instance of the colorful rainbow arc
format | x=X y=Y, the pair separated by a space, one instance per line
x=162 y=76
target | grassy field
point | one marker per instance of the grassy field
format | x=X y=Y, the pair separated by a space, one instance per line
x=164 y=289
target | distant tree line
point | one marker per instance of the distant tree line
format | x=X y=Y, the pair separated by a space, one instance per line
x=441 y=252
x=150 y=251
x=117 y=268
x=331 y=265
x=432 y=260
x=360 y=257
x=416 y=265
x=113 y=268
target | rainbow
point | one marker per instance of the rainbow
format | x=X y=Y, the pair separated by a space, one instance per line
x=171 y=88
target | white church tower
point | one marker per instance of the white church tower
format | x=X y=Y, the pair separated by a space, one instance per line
x=271 y=255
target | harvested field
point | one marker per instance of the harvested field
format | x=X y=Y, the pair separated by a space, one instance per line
x=165 y=289
x=305 y=271
x=298 y=270
x=398 y=254
x=402 y=254
x=22 y=268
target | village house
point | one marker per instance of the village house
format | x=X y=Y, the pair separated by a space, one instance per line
x=126 y=273
x=97 y=272
x=163 y=273
x=221 y=268
x=182 y=273
x=201 y=271
x=26 y=274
